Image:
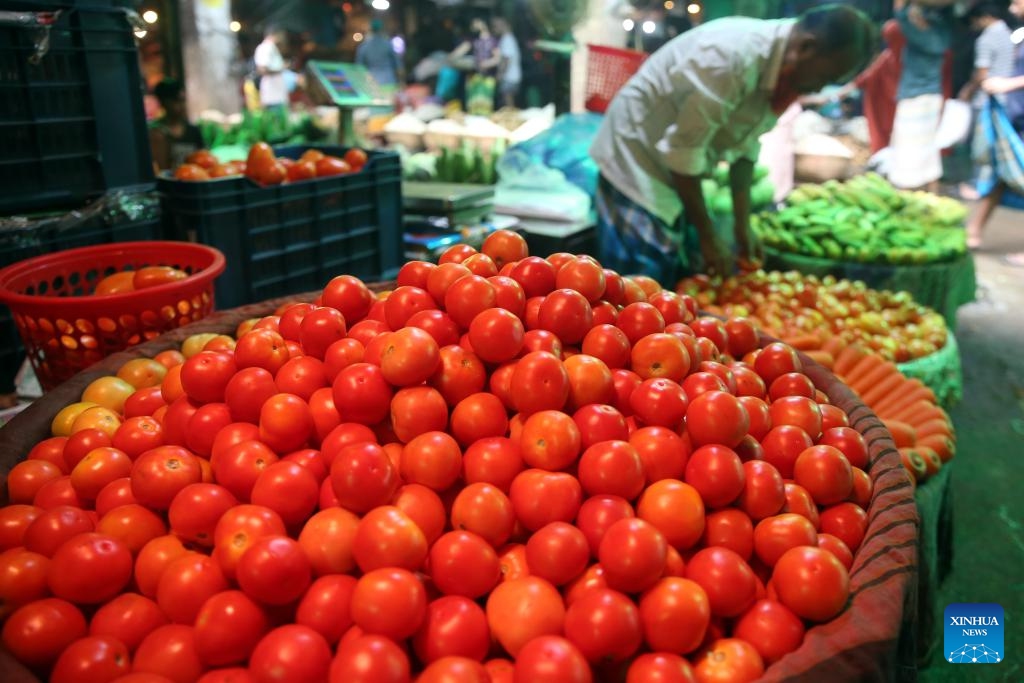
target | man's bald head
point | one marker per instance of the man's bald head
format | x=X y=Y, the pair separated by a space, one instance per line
x=829 y=44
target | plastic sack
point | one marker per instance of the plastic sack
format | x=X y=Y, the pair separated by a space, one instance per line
x=564 y=147
x=954 y=125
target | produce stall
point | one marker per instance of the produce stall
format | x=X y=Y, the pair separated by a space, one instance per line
x=861 y=567
x=864 y=229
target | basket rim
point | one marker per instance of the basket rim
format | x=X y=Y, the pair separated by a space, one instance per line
x=206 y=275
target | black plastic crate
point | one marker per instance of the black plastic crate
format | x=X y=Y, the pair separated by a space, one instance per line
x=72 y=120
x=292 y=238
x=581 y=242
x=124 y=216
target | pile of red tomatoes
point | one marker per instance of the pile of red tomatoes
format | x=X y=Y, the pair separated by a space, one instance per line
x=508 y=468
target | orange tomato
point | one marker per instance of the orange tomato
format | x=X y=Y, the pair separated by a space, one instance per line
x=356 y=158
x=313 y=155
x=142 y=372
x=151 y=276
x=97 y=417
x=170 y=358
x=301 y=170
x=203 y=158
x=116 y=283
x=62 y=422
x=191 y=172
x=329 y=166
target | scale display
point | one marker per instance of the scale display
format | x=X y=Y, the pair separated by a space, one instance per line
x=346 y=85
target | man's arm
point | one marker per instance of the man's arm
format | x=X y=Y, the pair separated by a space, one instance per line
x=969 y=89
x=717 y=261
x=741 y=177
x=998 y=85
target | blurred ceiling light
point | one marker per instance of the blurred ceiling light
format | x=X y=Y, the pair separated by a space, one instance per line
x=150 y=17
x=140 y=34
x=693 y=8
x=628 y=25
x=380 y=5
x=648 y=26
x=358 y=37
x=669 y=5
x=235 y=26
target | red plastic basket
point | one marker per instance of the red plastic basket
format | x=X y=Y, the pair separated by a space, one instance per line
x=65 y=330
x=608 y=69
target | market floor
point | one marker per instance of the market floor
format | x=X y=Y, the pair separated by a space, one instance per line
x=988 y=505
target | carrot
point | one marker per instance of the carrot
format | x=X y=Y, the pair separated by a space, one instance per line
x=880 y=390
x=822 y=357
x=833 y=345
x=902 y=434
x=878 y=374
x=803 y=342
x=935 y=426
x=847 y=358
x=916 y=412
x=910 y=392
x=942 y=445
x=932 y=461
x=861 y=370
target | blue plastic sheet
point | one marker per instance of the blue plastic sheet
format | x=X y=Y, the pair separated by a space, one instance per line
x=564 y=147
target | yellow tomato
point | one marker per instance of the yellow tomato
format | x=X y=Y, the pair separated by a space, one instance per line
x=195 y=343
x=170 y=358
x=221 y=342
x=97 y=417
x=245 y=326
x=110 y=392
x=142 y=372
x=61 y=425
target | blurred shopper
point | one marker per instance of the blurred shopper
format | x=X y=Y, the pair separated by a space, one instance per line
x=916 y=159
x=483 y=46
x=1012 y=88
x=377 y=54
x=510 y=69
x=706 y=97
x=171 y=137
x=270 y=66
x=993 y=57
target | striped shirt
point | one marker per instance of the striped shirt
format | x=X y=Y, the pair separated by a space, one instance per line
x=993 y=51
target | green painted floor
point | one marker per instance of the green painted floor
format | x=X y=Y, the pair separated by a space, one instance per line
x=988 y=494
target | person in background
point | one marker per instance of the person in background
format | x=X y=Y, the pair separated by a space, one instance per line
x=270 y=66
x=993 y=55
x=482 y=45
x=916 y=160
x=1012 y=88
x=510 y=70
x=377 y=54
x=705 y=97
x=171 y=137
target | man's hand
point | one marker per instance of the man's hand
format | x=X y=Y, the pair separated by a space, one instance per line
x=717 y=259
x=997 y=85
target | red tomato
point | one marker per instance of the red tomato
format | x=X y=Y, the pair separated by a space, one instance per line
x=418 y=410
x=153 y=560
x=485 y=510
x=467 y=297
x=28 y=476
x=238 y=468
x=81 y=443
x=362 y=394
x=195 y=510
x=729 y=660
x=349 y=296
x=609 y=344
x=414 y=274
x=133 y=525
x=478 y=416
x=637 y=320
x=22 y=579
x=205 y=375
x=832 y=417
x=675 y=614
x=508 y=294
x=811 y=582
x=93 y=658
x=522 y=610
x=536 y=275
x=159 y=474
x=599 y=422
x=289 y=489
x=660 y=402
x=495 y=460
x=550 y=440
x=763 y=493
x=660 y=667
x=387 y=537
x=325 y=607
x=612 y=468
x=597 y=514
x=291 y=654
x=504 y=246
x=463 y=563
x=605 y=625
x=38 y=632
x=567 y=314
x=363 y=477
x=862 y=488
x=846 y=521
x=799 y=501
x=540 y=497
x=791 y=384
x=748 y=382
x=775 y=360
x=301 y=376
x=390 y=602
x=782 y=445
x=454 y=626
x=460 y=374
x=286 y=423
x=457 y=253
x=798 y=411
x=551 y=659
x=238 y=529
x=129 y=618
x=370 y=659
x=274 y=570
x=717 y=473
x=356 y=158
x=410 y=356
x=403 y=302
x=186 y=583
x=264 y=349
x=664 y=453
x=332 y=166
x=849 y=442
x=539 y=382
x=717 y=417
x=835 y=546
x=732 y=529
x=633 y=554
x=557 y=552
x=825 y=473
x=433 y=459
x=775 y=535
x=227 y=628
x=169 y=651
x=496 y=334
x=730 y=584
x=771 y=628
x=89 y=568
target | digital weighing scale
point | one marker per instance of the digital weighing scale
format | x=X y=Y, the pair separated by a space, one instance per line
x=347 y=87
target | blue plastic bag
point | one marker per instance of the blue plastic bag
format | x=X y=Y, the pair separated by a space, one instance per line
x=564 y=147
x=448 y=79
